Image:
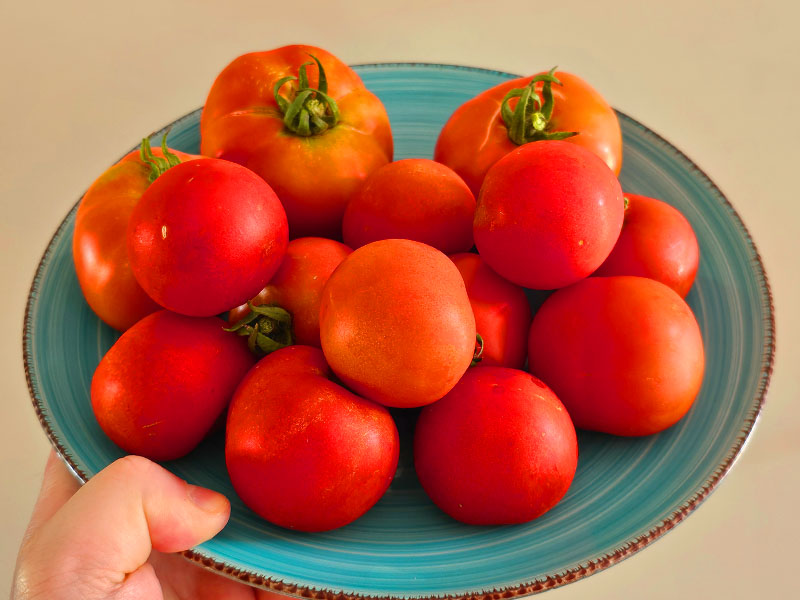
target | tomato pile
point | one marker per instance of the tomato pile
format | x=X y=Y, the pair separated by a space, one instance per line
x=293 y=282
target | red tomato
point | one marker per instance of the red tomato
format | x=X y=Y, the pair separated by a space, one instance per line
x=303 y=452
x=624 y=354
x=548 y=215
x=656 y=242
x=160 y=388
x=206 y=236
x=297 y=285
x=498 y=449
x=314 y=161
x=415 y=199
x=479 y=134
x=99 y=243
x=395 y=323
x=502 y=312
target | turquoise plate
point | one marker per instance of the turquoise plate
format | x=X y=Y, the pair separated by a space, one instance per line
x=626 y=493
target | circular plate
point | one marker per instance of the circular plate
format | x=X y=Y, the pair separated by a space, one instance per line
x=626 y=492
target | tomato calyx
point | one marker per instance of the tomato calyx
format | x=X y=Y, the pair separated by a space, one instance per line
x=478 y=355
x=267 y=327
x=530 y=119
x=158 y=165
x=309 y=111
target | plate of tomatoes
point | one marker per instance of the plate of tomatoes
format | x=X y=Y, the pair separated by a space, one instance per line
x=627 y=489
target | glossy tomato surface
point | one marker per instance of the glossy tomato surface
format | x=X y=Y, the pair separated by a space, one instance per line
x=624 y=354
x=206 y=237
x=314 y=176
x=161 y=387
x=303 y=452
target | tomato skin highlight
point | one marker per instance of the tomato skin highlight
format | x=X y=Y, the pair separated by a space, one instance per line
x=416 y=199
x=160 y=388
x=656 y=242
x=99 y=242
x=206 y=236
x=395 y=323
x=475 y=137
x=298 y=283
x=502 y=312
x=549 y=213
x=314 y=176
x=303 y=452
x=624 y=354
x=500 y=448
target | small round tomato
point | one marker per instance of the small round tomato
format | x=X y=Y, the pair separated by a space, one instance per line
x=546 y=106
x=160 y=388
x=303 y=452
x=502 y=312
x=297 y=285
x=656 y=242
x=548 y=215
x=206 y=236
x=500 y=448
x=624 y=354
x=415 y=199
x=99 y=242
x=395 y=323
x=314 y=144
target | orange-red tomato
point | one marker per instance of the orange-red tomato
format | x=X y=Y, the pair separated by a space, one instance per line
x=476 y=135
x=624 y=354
x=414 y=199
x=396 y=324
x=297 y=285
x=316 y=169
x=99 y=243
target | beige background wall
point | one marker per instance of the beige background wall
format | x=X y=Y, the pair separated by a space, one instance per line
x=81 y=82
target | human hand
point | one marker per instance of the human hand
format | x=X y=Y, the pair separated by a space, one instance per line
x=112 y=537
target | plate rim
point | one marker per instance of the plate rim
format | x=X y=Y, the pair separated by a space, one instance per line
x=551 y=581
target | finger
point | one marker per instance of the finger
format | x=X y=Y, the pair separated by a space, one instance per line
x=181 y=578
x=111 y=524
x=58 y=486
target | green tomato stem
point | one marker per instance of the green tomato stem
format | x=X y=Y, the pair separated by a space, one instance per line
x=309 y=111
x=267 y=327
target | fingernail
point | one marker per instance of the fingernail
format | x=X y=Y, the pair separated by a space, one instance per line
x=207 y=500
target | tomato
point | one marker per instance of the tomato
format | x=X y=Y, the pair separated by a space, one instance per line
x=416 y=199
x=395 y=323
x=498 y=449
x=303 y=452
x=486 y=128
x=334 y=136
x=160 y=388
x=502 y=312
x=206 y=236
x=656 y=242
x=548 y=215
x=99 y=243
x=624 y=354
x=297 y=285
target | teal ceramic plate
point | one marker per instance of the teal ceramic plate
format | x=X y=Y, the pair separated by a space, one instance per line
x=626 y=493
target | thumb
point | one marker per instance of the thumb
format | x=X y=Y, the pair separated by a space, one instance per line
x=109 y=527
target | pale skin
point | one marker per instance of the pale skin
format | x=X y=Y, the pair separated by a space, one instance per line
x=115 y=538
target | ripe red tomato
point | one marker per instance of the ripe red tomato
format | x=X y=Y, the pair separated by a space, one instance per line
x=486 y=128
x=313 y=145
x=548 y=215
x=99 y=243
x=502 y=312
x=415 y=199
x=656 y=242
x=395 y=323
x=297 y=285
x=303 y=452
x=624 y=354
x=161 y=387
x=500 y=448
x=206 y=236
